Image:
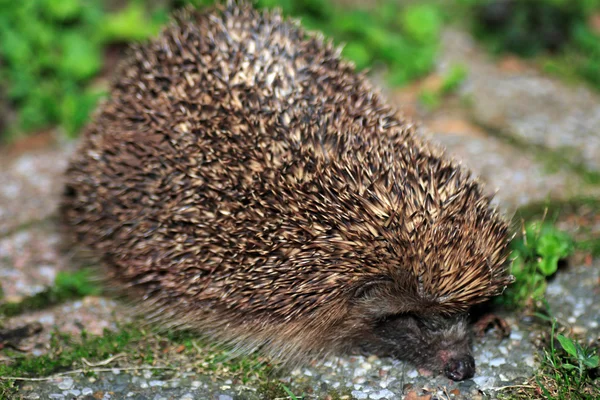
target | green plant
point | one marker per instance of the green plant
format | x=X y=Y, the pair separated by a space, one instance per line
x=579 y=359
x=566 y=371
x=51 y=50
x=535 y=256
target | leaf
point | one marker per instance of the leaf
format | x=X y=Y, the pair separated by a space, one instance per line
x=569 y=366
x=130 y=23
x=422 y=22
x=518 y=265
x=289 y=392
x=554 y=243
x=592 y=361
x=543 y=317
x=82 y=58
x=357 y=52
x=63 y=9
x=548 y=265
x=567 y=344
x=75 y=109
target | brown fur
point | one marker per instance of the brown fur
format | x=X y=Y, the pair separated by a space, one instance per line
x=243 y=181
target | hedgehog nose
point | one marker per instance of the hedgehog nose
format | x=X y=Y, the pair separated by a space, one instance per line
x=459 y=369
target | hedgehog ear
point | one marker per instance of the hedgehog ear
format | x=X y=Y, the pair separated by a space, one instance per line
x=379 y=297
x=371 y=289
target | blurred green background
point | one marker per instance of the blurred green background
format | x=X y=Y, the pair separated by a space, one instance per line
x=56 y=56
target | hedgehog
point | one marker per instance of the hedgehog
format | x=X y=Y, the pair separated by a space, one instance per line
x=244 y=182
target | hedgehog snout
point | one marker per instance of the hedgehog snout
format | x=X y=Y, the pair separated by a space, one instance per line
x=460 y=368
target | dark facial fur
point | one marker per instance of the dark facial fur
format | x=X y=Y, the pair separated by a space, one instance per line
x=244 y=181
x=435 y=343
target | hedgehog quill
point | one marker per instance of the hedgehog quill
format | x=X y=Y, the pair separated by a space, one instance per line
x=243 y=181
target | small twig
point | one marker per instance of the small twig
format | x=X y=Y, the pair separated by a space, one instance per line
x=79 y=371
x=105 y=362
x=195 y=345
x=513 y=387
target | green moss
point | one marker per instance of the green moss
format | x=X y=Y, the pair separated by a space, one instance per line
x=139 y=347
x=67 y=286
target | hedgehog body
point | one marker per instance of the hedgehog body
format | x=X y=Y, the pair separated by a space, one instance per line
x=243 y=181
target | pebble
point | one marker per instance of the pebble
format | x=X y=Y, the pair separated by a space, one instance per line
x=529 y=361
x=366 y=366
x=359 y=395
x=485 y=382
x=412 y=374
x=188 y=396
x=382 y=394
x=225 y=397
x=496 y=362
x=66 y=384
x=516 y=335
x=156 y=383
x=86 y=391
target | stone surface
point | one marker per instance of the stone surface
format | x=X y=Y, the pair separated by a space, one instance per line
x=30 y=184
x=515 y=176
x=29 y=261
x=527 y=104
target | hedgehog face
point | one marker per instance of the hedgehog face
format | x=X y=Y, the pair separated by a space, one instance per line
x=433 y=343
